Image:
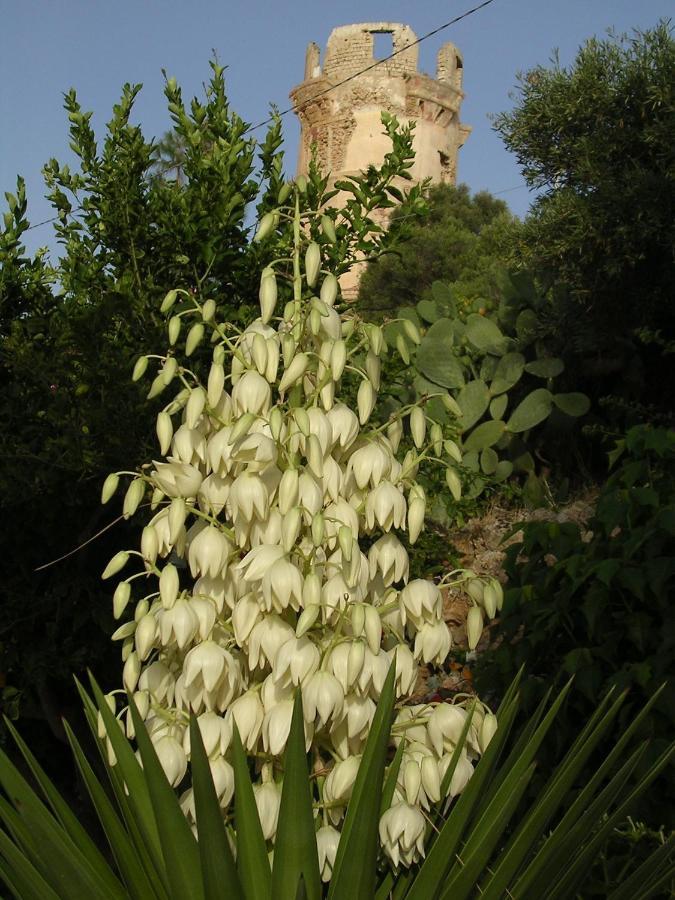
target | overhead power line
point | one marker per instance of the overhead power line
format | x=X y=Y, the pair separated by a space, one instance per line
x=338 y=84
x=373 y=65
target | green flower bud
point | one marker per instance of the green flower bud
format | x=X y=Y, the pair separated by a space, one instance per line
x=312 y=263
x=329 y=290
x=284 y=192
x=139 y=368
x=174 y=329
x=454 y=483
x=265 y=227
x=208 y=310
x=328 y=228
x=133 y=497
x=117 y=563
x=195 y=334
x=109 y=487
x=168 y=301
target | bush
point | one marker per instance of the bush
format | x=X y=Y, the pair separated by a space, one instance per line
x=597 y=604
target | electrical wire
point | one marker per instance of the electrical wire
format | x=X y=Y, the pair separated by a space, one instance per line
x=333 y=87
x=373 y=65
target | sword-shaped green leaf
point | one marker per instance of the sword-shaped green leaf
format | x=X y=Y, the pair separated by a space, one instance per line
x=219 y=869
x=252 y=862
x=296 y=859
x=355 y=862
x=139 y=882
x=179 y=847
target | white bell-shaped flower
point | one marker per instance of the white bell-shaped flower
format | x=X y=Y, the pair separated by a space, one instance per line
x=402 y=829
x=251 y=394
x=420 y=601
x=322 y=697
x=209 y=552
x=385 y=507
x=172 y=758
x=432 y=642
x=345 y=425
x=247 y=713
x=266 y=639
x=176 y=478
x=282 y=587
x=370 y=464
x=445 y=727
x=268 y=800
x=296 y=660
x=388 y=556
x=327 y=840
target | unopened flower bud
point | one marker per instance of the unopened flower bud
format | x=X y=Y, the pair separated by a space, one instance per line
x=290 y=528
x=418 y=426
x=294 y=372
x=173 y=329
x=149 y=544
x=318 y=529
x=487 y=731
x=453 y=481
x=109 y=487
x=259 y=353
x=208 y=310
x=215 y=384
x=474 y=626
x=451 y=405
x=168 y=301
x=307 y=619
x=194 y=407
x=139 y=368
x=195 y=335
x=365 y=401
x=412 y=331
x=169 y=585
x=121 y=598
x=164 y=429
x=117 y=563
x=328 y=228
x=402 y=348
x=131 y=672
x=312 y=263
x=265 y=227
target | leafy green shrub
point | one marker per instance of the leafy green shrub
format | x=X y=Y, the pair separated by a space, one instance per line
x=461 y=240
x=598 y=604
x=498 y=382
x=71 y=328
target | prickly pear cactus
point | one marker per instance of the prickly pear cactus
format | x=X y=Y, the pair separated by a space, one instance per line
x=494 y=376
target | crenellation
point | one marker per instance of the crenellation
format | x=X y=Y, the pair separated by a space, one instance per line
x=340 y=109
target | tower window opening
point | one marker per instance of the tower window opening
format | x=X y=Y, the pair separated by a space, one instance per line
x=383 y=44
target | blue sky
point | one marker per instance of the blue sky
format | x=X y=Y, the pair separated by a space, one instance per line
x=48 y=46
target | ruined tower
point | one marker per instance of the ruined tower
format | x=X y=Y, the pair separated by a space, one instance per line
x=343 y=123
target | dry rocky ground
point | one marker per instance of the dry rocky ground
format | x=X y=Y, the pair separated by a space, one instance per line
x=481 y=546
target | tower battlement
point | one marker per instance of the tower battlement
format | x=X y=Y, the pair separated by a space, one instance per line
x=344 y=127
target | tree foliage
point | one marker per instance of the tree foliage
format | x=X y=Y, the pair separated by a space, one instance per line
x=597 y=137
x=462 y=241
x=71 y=329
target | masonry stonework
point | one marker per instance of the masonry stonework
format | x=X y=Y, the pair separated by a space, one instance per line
x=343 y=127
x=340 y=123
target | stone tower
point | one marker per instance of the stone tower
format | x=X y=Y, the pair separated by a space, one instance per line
x=344 y=124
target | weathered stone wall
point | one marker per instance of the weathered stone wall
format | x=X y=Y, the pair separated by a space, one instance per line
x=340 y=122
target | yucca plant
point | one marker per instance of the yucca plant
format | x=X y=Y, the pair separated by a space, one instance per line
x=485 y=845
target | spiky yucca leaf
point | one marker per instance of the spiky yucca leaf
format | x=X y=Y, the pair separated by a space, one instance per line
x=477 y=849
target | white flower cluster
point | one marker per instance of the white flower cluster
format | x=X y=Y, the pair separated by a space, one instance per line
x=270 y=491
